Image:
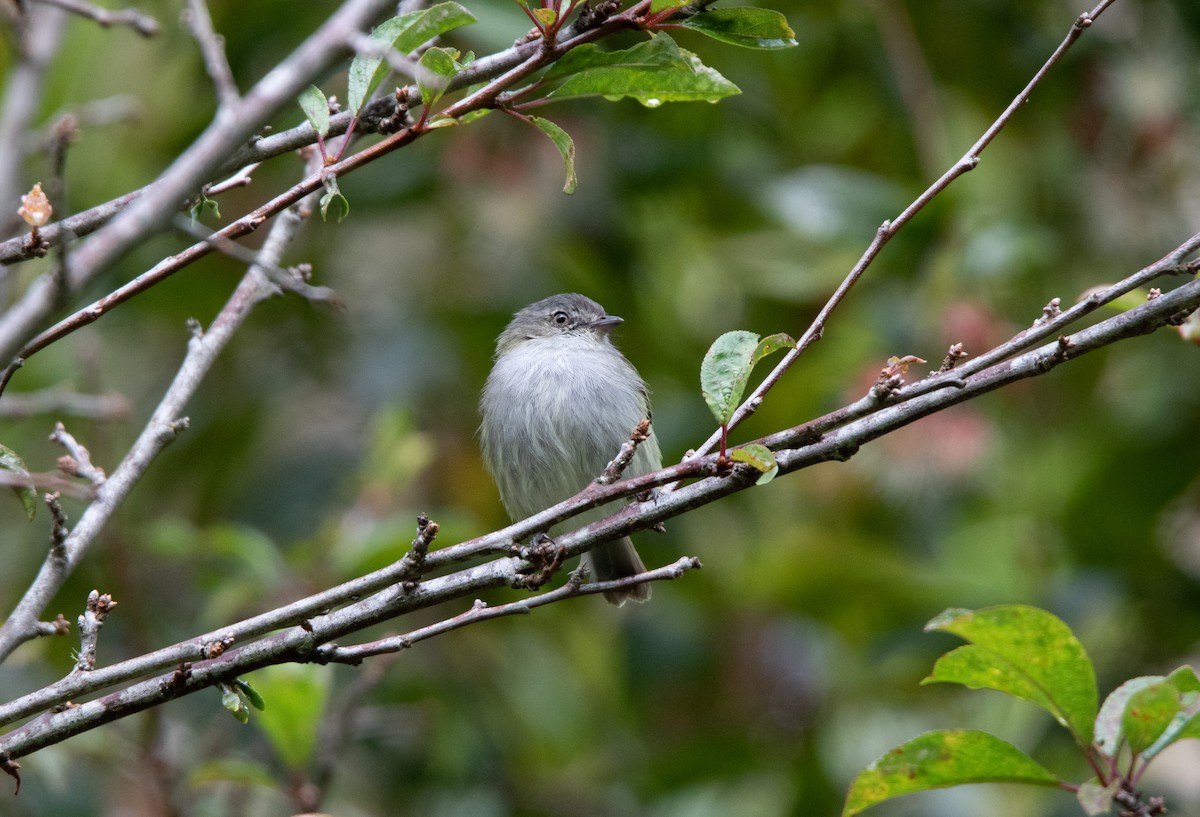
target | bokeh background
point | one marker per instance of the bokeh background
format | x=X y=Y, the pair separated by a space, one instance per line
x=760 y=685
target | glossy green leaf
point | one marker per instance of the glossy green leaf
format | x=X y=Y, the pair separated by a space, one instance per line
x=566 y=146
x=744 y=26
x=760 y=457
x=1025 y=652
x=13 y=464
x=405 y=34
x=316 y=109
x=937 y=760
x=437 y=67
x=726 y=368
x=297 y=694
x=652 y=72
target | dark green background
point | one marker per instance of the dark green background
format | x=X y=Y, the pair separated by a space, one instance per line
x=761 y=684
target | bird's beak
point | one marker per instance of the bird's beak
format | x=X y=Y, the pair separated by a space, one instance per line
x=606 y=323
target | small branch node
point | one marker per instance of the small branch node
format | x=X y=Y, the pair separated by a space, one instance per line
x=59 y=531
x=1049 y=312
x=215 y=649
x=612 y=472
x=954 y=354
x=545 y=558
x=78 y=461
x=90 y=621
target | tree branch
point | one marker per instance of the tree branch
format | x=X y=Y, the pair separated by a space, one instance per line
x=305 y=625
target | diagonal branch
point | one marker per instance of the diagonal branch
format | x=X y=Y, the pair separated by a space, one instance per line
x=295 y=632
x=888 y=229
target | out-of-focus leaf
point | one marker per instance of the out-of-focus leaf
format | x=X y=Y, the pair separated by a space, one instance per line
x=297 y=694
x=316 y=109
x=240 y=770
x=1025 y=652
x=760 y=457
x=11 y=462
x=745 y=26
x=566 y=146
x=937 y=760
x=652 y=72
x=437 y=67
x=662 y=5
x=404 y=33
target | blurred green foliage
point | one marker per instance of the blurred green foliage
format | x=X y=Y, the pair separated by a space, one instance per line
x=762 y=684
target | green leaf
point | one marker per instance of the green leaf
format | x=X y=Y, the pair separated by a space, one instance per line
x=652 y=72
x=333 y=194
x=1148 y=713
x=1183 y=727
x=1184 y=679
x=297 y=694
x=437 y=67
x=937 y=760
x=405 y=34
x=662 y=5
x=771 y=344
x=562 y=140
x=726 y=368
x=744 y=26
x=234 y=702
x=1096 y=799
x=1145 y=712
x=316 y=109
x=251 y=695
x=760 y=457
x=1025 y=652
x=13 y=464
x=202 y=204
x=1110 y=721
x=725 y=371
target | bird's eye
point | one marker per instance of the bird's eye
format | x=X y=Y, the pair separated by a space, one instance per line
x=559 y=318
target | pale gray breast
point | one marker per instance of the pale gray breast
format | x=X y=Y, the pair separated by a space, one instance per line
x=551 y=424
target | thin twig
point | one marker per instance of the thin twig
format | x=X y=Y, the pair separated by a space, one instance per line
x=78 y=462
x=481 y=611
x=163 y=426
x=889 y=228
x=198 y=22
x=372 y=598
x=143 y=24
x=63 y=401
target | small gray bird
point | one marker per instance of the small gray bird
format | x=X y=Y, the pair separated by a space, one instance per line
x=557 y=406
